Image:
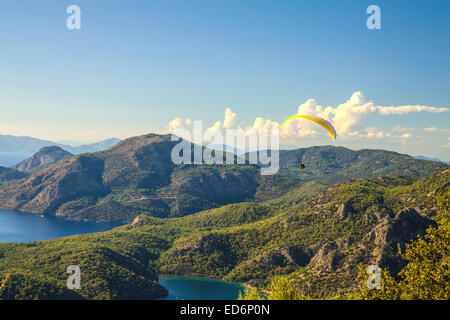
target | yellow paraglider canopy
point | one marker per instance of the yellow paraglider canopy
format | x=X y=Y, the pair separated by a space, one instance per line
x=322 y=122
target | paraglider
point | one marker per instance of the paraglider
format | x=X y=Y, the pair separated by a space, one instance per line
x=322 y=122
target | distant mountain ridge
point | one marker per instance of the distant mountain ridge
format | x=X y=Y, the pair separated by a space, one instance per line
x=431 y=159
x=137 y=176
x=14 y=149
x=44 y=158
x=331 y=164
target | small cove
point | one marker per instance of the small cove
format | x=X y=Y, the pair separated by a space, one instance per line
x=199 y=288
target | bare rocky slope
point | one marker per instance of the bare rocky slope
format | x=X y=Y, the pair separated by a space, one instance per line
x=44 y=158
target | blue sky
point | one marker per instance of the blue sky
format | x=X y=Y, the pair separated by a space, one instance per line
x=161 y=60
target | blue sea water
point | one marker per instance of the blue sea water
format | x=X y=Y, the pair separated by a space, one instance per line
x=25 y=227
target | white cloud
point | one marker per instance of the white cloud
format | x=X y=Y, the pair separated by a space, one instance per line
x=376 y=133
x=217 y=125
x=230 y=119
x=346 y=115
x=179 y=123
x=264 y=124
x=215 y=128
x=349 y=114
x=373 y=132
x=310 y=107
x=433 y=129
x=409 y=109
x=406 y=136
x=348 y=119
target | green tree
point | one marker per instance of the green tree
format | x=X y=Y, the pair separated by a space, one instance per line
x=280 y=288
x=250 y=294
x=427 y=273
x=389 y=290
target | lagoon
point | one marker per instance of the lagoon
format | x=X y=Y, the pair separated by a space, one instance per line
x=25 y=227
x=199 y=288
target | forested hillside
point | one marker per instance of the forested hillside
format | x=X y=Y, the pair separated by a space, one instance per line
x=8 y=175
x=318 y=238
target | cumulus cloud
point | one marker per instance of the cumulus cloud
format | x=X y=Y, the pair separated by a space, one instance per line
x=216 y=125
x=348 y=119
x=346 y=115
x=349 y=114
x=230 y=119
x=179 y=123
x=264 y=124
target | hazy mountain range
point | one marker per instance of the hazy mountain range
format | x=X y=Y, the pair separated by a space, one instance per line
x=431 y=159
x=14 y=149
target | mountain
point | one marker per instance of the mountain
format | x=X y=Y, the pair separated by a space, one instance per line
x=315 y=234
x=44 y=158
x=431 y=159
x=9 y=175
x=14 y=149
x=97 y=146
x=330 y=164
x=137 y=176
